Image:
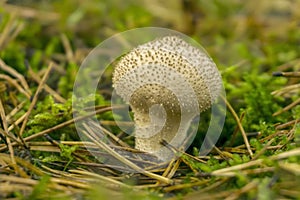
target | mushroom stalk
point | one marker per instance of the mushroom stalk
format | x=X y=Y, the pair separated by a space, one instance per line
x=155 y=120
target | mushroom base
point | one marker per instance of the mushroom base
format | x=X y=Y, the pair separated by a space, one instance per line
x=158 y=116
x=158 y=132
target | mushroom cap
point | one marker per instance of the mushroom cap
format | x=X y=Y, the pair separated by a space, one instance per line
x=165 y=71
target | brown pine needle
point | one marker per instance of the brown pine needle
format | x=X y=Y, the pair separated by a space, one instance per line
x=10 y=147
x=64 y=124
x=293 y=168
x=240 y=126
x=290 y=106
x=14 y=83
x=285 y=125
x=262 y=151
x=122 y=159
x=17 y=122
x=287 y=89
x=185 y=185
x=195 y=195
x=104 y=179
x=15 y=111
x=236 y=130
x=287 y=74
x=68 y=48
x=27 y=12
x=222 y=172
x=35 y=98
x=174 y=169
x=71 y=121
x=246 y=188
x=48 y=89
x=16 y=74
x=101 y=129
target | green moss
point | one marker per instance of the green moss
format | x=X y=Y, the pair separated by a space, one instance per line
x=47 y=114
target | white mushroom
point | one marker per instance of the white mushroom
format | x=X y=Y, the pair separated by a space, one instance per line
x=167 y=82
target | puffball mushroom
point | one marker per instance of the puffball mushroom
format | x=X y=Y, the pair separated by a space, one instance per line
x=167 y=83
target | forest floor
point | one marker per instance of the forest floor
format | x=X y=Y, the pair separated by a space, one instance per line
x=256 y=47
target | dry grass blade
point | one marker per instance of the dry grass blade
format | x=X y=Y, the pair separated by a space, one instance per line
x=114 y=183
x=172 y=168
x=10 y=31
x=287 y=74
x=290 y=193
x=6 y=131
x=294 y=168
x=35 y=98
x=202 y=192
x=23 y=163
x=15 y=84
x=48 y=89
x=180 y=152
x=221 y=172
x=98 y=127
x=9 y=135
x=263 y=149
x=71 y=121
x=17 y=122
x=72 y=183
x=15 y=111
x=15 y=179
x=8 y=141
x=27 y=12
x=246 y=188
x=186 y=185
x=57 y=184
x=122 y=159
x=287 y=89
x=288 y=107
x=210 y=196
x=240 y=126
x=16 y=74
x=287 y=124
x=236 y=129
x=7 y=188
x=68 y=48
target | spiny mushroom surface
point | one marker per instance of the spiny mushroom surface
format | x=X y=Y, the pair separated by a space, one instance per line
x=167 y=82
